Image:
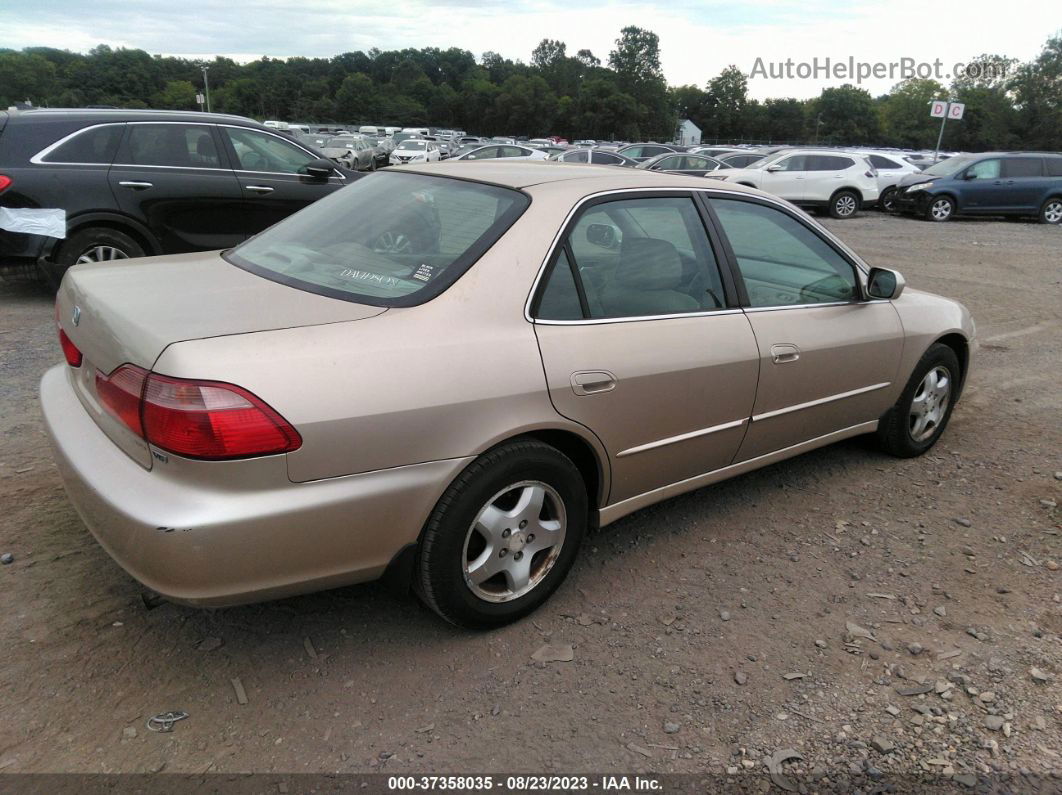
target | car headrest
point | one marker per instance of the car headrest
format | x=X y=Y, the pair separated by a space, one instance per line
x=646 y=263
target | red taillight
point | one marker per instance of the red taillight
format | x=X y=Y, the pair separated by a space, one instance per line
x=120 y=392
x=195 y=419
x=5 y=183
x=210 y=419
x=70 y=350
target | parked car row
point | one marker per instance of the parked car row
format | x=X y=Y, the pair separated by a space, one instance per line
x=80 y=186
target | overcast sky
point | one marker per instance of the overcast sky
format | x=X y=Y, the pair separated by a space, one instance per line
x=697 y=40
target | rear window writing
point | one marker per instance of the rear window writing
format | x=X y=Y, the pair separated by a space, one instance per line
x=391 y=239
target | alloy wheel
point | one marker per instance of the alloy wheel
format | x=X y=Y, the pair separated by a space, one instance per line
x=845 y=205
x=514 y=541
x=940 y=209
x=100 y=254
x=929 y=404
x=1053 y=211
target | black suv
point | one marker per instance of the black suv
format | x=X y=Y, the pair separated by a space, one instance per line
x=138 y=182
x=990 y=183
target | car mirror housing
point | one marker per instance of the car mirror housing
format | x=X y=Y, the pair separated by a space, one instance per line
x=774 y=168
x=320 y=169
x=883 y=283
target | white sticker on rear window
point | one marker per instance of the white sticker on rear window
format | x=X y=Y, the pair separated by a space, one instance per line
x=30 y=221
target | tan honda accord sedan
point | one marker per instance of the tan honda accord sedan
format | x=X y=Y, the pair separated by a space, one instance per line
x=450 y=373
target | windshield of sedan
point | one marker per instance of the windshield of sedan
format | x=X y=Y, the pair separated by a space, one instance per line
x=340 y=142
x=391 y=239
x=953 y=165
x=415 y=145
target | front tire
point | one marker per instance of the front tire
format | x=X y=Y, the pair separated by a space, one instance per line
x=1051 y=212
x=940 y=209
x=887 y=200
x=844 y=204
x=503 y=536
x=921 y=414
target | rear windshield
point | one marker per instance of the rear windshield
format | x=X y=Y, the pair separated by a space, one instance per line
x=389 y=239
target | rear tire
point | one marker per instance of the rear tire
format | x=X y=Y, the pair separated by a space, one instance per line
x=1051 y=212
x=844 y=204
x=479 y=527
x=921 y=414
x=96 y=244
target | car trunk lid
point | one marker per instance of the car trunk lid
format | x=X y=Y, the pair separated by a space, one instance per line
x=129 y=312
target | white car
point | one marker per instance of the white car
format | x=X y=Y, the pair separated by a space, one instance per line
x=840 y=182
x=495 y=151
x=415 y=150
x=891 y=168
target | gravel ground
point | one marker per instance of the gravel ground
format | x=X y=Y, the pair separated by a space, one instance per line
x=795 y=608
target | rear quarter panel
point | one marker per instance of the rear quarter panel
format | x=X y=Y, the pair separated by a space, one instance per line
x=446 y=379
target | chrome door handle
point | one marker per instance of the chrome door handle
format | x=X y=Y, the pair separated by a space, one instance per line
x=259 y=188
x=136 y=185
x=784 y=352
x=592 y=382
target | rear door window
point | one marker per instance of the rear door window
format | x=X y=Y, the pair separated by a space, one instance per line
x=1023 y=167
x=883 y=163
x=828 y=163
x=95 y=145
x=174 y=145
x=1054 y=166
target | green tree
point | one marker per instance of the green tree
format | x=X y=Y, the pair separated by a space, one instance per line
x=357 y=99
x=849 y=116
x=176 y=95
x=725 y=101
x=905 y=113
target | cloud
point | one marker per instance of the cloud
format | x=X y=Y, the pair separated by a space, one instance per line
x=697 y=40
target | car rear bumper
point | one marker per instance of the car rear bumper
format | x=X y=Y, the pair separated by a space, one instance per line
x=223 y=533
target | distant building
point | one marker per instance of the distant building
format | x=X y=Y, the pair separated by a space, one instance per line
x=688 y=133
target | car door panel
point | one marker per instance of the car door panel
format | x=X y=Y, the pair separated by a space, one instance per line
x=789 y=182
x=683 y=390
x=267 y=171
x=171 y=177
x=821 y=369
x=669 y=396
x=826 y=357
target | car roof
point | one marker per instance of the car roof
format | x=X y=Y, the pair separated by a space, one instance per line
x=527 y=173
x=121 y=114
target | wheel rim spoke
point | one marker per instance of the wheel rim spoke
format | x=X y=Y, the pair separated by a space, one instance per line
x=929 y=404
x=514 y=541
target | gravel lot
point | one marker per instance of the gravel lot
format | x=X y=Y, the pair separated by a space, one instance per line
x=787 y=609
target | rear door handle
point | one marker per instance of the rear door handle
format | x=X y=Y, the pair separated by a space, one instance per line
x=592 y=382
x=784 y=352
x=259 y=188
x=136 y=185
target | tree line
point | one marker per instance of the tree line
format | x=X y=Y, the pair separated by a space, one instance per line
x=1008 y=105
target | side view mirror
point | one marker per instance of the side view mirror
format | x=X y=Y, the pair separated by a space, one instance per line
x=775 y=167
x=885 y=283
x=603 y=235
x=969 y=175
x=320 y=169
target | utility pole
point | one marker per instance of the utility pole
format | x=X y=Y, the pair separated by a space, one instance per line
x=206 y=87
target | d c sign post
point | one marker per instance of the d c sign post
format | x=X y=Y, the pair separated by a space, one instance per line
x=943 y=109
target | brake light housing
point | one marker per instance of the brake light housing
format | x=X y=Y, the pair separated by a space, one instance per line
x=207 y=420
x=5 y=183
x=71 y=352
